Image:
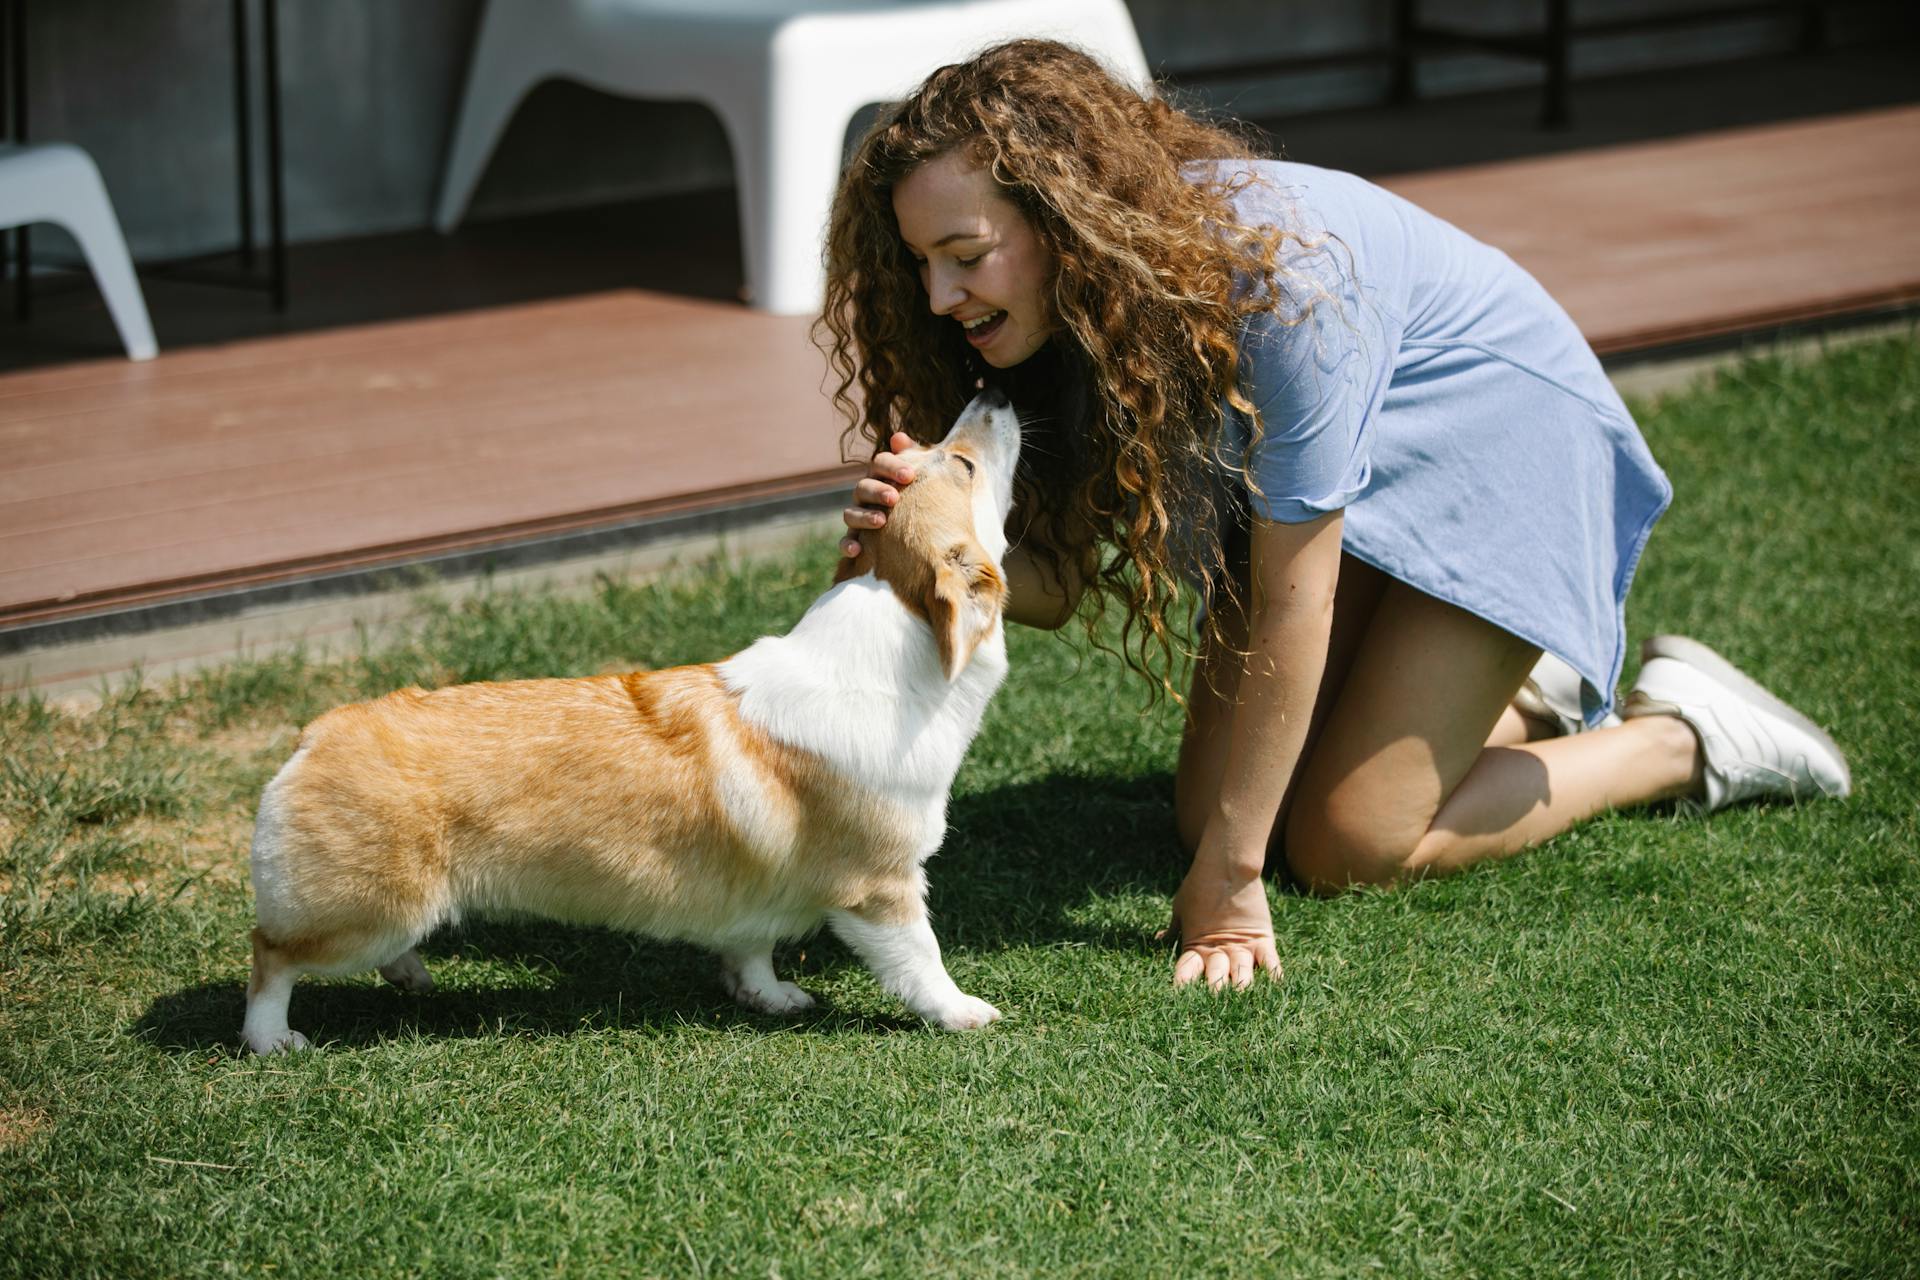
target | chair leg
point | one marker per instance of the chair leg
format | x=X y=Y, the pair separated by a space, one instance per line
x=787 y=172
x=93 y=224
x=507 y=62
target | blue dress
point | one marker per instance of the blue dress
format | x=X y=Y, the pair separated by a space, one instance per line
x=1427 y=385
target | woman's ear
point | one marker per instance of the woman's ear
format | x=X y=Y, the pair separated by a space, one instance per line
x=964 y=604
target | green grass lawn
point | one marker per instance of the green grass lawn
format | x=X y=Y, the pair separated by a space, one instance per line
x=1658 y=1045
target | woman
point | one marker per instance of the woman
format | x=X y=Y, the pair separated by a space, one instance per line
x=1383 y=458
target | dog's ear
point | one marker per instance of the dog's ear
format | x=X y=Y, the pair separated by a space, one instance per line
x=964 y=603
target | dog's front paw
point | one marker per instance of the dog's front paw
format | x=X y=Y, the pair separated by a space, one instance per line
x=965 y=1014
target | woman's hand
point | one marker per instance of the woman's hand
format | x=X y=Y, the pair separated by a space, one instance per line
x=1225 y=928
x=875 y=494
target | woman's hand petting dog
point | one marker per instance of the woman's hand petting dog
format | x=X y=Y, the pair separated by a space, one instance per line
x=877 y=492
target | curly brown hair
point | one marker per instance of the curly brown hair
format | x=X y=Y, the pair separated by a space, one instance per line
x=1153 y=278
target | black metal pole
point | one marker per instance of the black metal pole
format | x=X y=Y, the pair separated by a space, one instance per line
x=22 y=242
x=1557 y=113
x=243 y=131
x=17 y=49
x=1813 y=27
x=276 y=201
x=6 y=115
x=1400 y=88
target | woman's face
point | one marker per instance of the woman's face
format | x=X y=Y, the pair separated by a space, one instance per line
x=980 y=260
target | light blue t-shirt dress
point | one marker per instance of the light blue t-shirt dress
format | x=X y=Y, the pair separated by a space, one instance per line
x=1427 y=385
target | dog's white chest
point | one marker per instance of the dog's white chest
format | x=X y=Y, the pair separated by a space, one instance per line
x=858 y=683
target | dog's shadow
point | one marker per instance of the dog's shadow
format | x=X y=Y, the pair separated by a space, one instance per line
x=1020 y=866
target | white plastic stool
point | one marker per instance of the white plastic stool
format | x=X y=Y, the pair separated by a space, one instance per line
x=785 y=77
x=58 y=183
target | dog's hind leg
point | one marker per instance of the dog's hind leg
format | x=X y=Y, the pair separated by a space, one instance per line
x=747 y=975
x=278 y=965
x=268 y=991
x=409 y=973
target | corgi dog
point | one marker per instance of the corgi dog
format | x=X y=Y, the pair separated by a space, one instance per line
x=732 y=805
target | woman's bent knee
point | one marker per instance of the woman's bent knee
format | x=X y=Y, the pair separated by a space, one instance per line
x=1329 y=852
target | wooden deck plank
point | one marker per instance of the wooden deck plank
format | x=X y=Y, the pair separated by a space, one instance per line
x=339 y=444
x=554 y=343
x=593 y=470
x=395 y=506
x=222 y=434
x=254 y=460
x=264 y=531
x=1664 y=242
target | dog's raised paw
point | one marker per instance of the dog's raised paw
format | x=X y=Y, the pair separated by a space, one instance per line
x=966 y=1014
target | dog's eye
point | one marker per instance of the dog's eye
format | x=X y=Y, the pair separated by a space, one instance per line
x=965 y=461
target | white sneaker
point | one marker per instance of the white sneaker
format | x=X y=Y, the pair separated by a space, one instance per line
x=1755 y=745
x=1551 y=695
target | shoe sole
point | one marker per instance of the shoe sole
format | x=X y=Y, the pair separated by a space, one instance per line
x=1699 y=656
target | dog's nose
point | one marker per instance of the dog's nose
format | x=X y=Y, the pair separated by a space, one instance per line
x=993 y=398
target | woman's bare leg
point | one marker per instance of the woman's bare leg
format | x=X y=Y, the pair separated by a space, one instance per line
x=1514 y=728
x=1203 y=745
x=1402 y=781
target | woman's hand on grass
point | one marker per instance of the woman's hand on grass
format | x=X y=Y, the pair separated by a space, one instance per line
x=1225 y=927
x=876 y=492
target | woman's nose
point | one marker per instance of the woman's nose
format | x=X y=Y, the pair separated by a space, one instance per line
x=943 y=291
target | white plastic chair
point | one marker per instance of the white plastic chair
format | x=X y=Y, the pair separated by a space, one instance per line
x=785 y=77
x=58 y=183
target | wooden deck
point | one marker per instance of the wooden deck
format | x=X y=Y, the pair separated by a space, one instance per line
x=267 y=460
x=1668 y=242
x=237 y=465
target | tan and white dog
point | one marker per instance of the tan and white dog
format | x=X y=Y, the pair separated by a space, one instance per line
x=731 y=805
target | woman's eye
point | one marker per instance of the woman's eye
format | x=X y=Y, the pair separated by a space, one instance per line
x=974 y=261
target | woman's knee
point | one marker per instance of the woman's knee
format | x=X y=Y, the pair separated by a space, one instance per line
x=1332 y=846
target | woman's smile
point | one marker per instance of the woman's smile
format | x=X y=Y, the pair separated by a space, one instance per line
x=981 y=332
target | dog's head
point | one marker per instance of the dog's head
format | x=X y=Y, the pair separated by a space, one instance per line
x=940 y=549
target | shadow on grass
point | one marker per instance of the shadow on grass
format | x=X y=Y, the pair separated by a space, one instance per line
x=1018 y=868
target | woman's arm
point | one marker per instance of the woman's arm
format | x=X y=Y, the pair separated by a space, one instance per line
x=1037 y=595
x=1221 y=908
